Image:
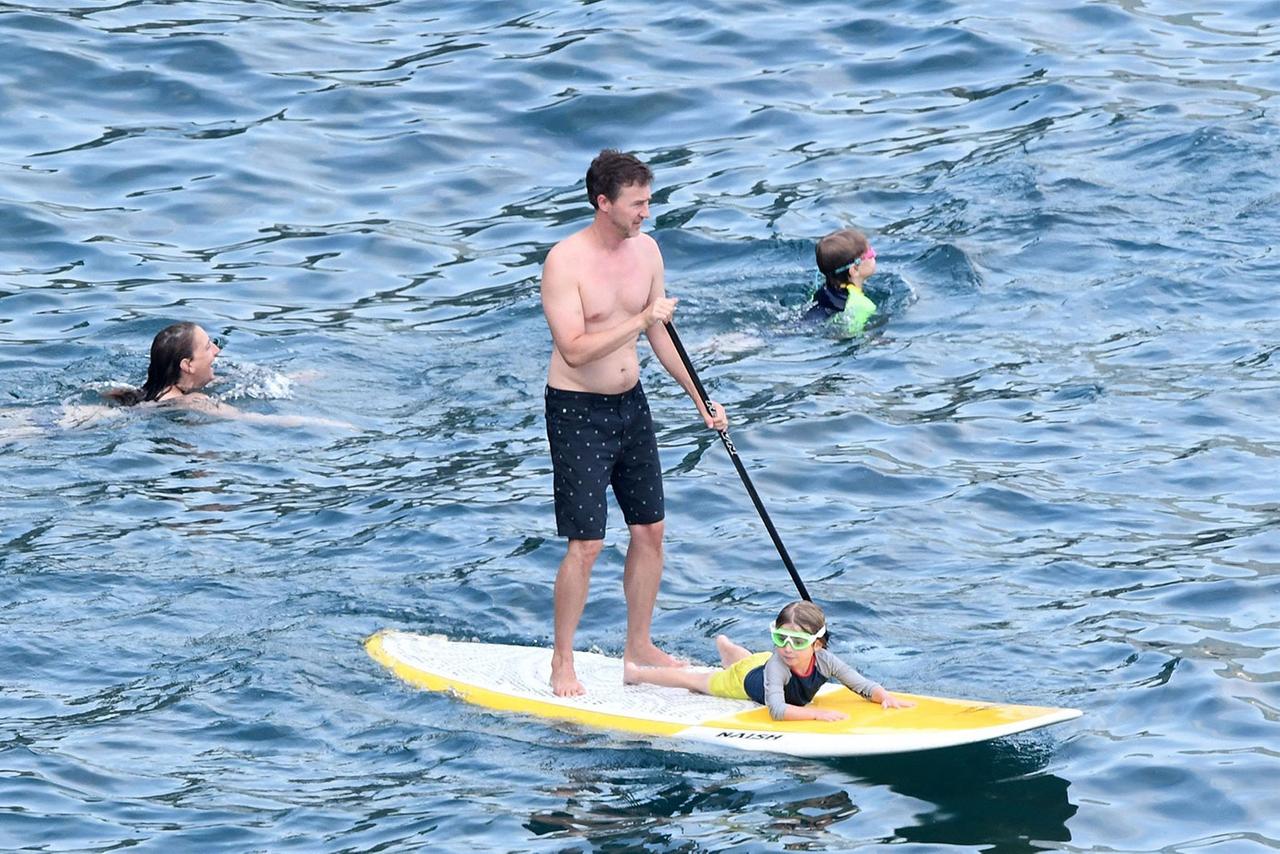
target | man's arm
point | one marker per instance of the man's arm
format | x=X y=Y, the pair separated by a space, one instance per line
x=562 y=305
x=665 y=350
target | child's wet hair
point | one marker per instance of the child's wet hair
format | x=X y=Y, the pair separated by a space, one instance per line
x=836 y=250
x=806 y=616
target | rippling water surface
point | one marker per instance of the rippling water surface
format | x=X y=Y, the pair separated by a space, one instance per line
x=1047 y=475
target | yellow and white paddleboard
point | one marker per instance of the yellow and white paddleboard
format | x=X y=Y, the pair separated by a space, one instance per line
x=516 y=679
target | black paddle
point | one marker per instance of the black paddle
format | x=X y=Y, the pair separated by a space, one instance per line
x=737 y=463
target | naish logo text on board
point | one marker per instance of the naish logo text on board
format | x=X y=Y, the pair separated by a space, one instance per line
x=761 y=736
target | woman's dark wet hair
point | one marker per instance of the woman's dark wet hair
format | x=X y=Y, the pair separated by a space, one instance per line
x=170 y=346
x=836 y=250
x=611 y=171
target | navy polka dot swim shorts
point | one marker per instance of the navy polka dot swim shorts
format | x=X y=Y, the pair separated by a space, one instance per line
x=598 y=440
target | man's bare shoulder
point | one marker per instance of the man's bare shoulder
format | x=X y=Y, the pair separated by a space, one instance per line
x=647 y=241
x=648 y=247
x=570 y=247
x=559 y=269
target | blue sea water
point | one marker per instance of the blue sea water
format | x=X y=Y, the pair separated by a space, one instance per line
x=1047 y=474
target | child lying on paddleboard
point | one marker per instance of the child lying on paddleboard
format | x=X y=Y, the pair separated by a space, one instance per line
x=785 y=680
x=845 y=261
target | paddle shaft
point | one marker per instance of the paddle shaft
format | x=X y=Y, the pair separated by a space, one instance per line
x=737 y=463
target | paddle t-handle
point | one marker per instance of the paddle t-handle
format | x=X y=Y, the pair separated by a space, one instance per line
x=737 y=464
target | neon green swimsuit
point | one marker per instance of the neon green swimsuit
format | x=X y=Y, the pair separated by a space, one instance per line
x=858 y=309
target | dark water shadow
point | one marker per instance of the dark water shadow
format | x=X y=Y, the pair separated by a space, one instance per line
x=629 y=799
x=994 y=794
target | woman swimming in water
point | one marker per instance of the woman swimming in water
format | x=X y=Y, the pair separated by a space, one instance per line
x=181 y=365
x=182 y=357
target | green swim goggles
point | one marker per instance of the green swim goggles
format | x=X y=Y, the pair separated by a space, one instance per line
x=793 y=638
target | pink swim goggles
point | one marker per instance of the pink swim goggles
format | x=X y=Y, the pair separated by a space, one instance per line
x=869 y=255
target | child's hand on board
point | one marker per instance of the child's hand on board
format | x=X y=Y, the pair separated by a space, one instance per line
x=892 y=702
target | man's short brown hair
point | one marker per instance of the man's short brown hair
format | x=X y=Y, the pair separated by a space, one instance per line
x=611 y=171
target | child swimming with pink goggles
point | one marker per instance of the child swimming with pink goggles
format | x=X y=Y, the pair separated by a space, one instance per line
x=845 y=261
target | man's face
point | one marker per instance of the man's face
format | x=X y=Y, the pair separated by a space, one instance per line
x=629 y=211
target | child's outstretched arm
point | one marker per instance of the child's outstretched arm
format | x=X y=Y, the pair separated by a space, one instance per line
x=888 y=701
x=811 y=713
x=874 y=692
x=775 y=677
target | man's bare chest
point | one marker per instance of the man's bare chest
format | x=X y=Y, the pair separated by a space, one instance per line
x=606 y=298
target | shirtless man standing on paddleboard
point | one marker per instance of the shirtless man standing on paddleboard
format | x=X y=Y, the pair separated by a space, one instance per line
x=602 y=287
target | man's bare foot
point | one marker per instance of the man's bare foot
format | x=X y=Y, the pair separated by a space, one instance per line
x=564 y=679
x=650 y=656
